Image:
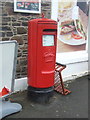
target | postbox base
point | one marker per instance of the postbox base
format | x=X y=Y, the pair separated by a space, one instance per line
x=40 y=95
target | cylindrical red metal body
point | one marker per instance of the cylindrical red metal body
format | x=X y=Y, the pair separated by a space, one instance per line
x=42 y=37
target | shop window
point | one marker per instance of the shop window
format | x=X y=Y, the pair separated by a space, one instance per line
x=72 y=18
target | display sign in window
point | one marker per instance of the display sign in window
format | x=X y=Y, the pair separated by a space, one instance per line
x=48 y=40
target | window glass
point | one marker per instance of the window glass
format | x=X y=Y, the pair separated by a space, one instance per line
x=72 y=26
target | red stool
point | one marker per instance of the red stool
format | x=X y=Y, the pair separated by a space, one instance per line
x=58 y=82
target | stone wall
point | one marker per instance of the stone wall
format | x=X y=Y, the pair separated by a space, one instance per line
x=13 y=26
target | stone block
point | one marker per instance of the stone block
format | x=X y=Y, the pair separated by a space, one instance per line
x=9 y=4
x=19 y=54
x=23 y=61
x=24 y=47
x=13 y=19
x=15 y=24
x=6 y=19
x=24 y=74
x=25 y=37
x=4 y=23
x=6 y=28
x=24 y=23
x=18 y=75
x=24 y=55
x=18 y=69
x=23 y=18
x=5 y=39
x=21 y=30
x=9 y=34
x=14 y=31
x=4 y=14
x=24 y=69
x=2 y=34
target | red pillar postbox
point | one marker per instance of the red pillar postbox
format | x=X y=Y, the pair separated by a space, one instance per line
x=42 y=37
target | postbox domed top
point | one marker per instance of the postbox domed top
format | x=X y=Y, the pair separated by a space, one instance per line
x=43 y=20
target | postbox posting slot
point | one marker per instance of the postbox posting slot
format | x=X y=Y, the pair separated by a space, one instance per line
x=49 y=30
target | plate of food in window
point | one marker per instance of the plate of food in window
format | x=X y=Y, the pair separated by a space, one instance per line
x=73 y=31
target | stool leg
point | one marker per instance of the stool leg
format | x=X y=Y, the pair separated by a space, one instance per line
x=61 y=82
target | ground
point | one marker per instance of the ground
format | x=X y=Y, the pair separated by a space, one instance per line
x=73 y=105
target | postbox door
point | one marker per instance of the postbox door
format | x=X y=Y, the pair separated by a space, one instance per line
x=46 y=52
